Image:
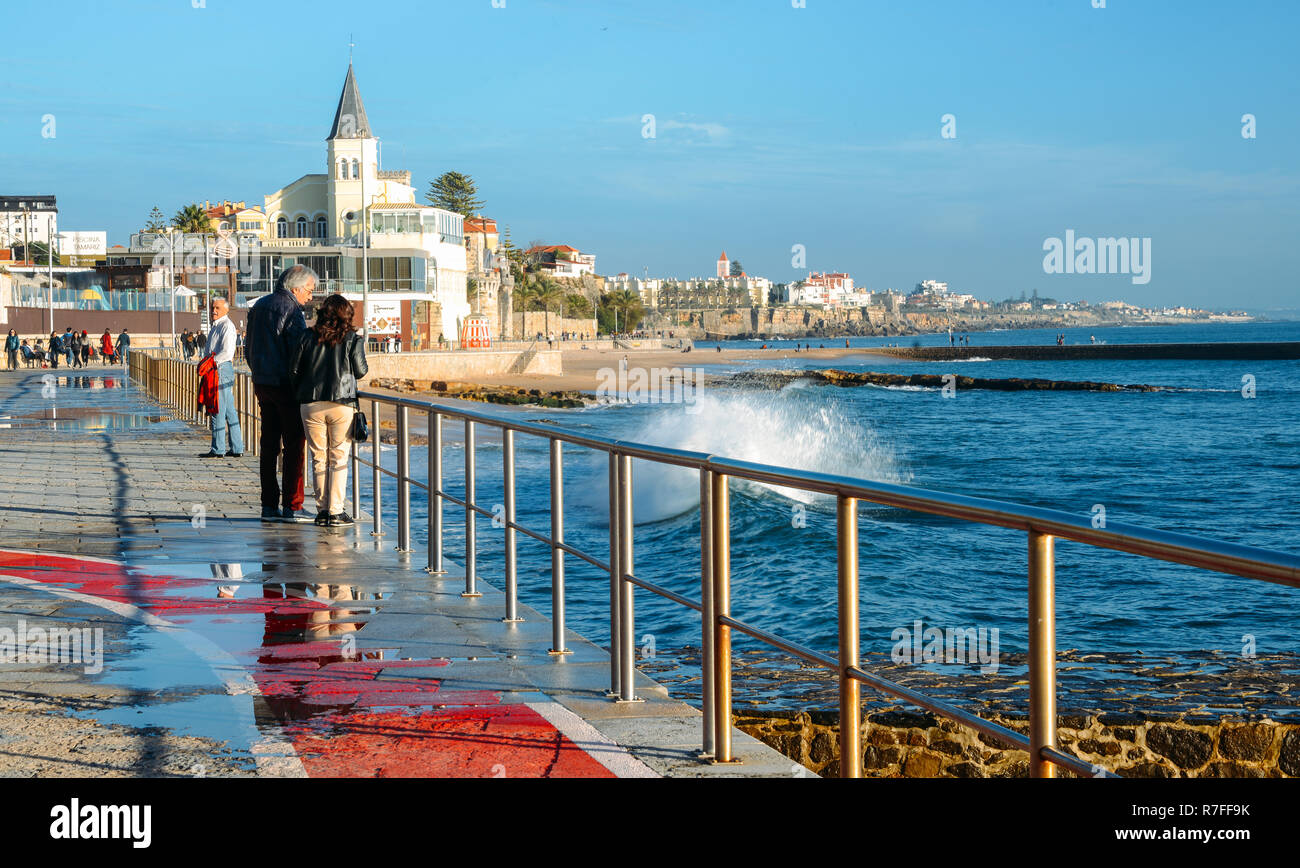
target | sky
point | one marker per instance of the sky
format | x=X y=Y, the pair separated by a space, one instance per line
x=776 y=128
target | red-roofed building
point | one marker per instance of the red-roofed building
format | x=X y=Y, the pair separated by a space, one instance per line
x=561 y=260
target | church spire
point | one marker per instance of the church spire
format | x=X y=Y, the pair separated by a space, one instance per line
x=350 y=118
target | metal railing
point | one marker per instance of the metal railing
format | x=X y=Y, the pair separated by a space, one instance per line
x=172 y=381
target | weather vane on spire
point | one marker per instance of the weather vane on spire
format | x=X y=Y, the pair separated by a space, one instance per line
x=351 y=45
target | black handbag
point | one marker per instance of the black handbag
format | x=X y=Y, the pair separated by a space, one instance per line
x=360 y=427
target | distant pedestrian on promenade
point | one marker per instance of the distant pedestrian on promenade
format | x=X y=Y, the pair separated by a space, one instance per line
x=328 y=361
x=275 y=324
x=55 y=349
x=11 y=349
x=84 y=340
x=66 y=344
x=106 y=354
x=72 y=343
x=221 y=349
x=124 y=345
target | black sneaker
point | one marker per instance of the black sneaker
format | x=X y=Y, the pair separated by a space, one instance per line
x=295 y=515
x=341 y=520
x=234 y=455
x=211 y=454
x=322 y=519
x=270 y=513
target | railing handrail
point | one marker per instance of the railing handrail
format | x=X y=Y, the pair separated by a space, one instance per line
x=174 y=381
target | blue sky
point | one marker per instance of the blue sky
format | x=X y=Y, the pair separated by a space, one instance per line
x=776 y=126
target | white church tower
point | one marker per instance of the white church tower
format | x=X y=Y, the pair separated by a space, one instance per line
x=353 y=158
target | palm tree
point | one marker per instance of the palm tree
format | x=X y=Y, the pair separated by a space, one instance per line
x=192 y=218
x=629 y=303
x=548 y=294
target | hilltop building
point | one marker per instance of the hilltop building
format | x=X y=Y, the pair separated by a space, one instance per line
x=724 y=266
x=561 y=260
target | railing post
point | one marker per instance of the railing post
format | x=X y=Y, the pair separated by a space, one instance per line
x=708 y=617
x=356 y=480
x=557 y=554
x=508 y=482
x=403 y=481
x=615 y=551
x=850 y=689
x=377 y=477
x=1042 y=652
x=470 y=546
x=435 y=493
x=627 y=626
x=722 y=607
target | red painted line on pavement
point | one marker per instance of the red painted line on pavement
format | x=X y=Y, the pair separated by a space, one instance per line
x=341 y=719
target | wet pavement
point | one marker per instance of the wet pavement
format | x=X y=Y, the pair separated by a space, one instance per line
x=152 y=625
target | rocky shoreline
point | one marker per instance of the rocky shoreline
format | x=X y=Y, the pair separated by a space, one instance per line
x=488 y=394
x=835 y=377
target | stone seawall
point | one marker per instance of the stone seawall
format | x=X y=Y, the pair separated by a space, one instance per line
x=923 y=745
x=461 y=364
x=1254 y=351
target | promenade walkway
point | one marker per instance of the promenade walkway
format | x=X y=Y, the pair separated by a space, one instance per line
x=229 y=646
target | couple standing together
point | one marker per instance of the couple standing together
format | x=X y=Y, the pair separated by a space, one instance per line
x=306 y=385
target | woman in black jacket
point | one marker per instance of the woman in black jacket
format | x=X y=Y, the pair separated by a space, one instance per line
x=327 y=362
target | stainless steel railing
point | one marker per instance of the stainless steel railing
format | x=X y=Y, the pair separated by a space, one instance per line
x=170 y=380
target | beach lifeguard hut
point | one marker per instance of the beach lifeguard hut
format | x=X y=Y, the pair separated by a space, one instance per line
x=476 y=332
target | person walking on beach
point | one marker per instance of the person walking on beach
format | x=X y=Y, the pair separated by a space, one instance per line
x=221 y=349
x=275 y=323
x=327 y=362
x=11 y=349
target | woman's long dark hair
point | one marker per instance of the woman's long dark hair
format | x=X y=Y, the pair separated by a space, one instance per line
x=333 y=320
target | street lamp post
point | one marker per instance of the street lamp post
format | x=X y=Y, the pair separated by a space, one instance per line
x=49 y=260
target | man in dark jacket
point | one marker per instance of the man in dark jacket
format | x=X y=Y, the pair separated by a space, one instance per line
x=275 y=324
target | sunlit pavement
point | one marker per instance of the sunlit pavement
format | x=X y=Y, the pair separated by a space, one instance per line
x=236 y=647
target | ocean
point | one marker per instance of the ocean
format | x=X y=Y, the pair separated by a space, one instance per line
x=1200 y=459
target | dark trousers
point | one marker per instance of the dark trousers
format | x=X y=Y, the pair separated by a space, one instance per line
x=281 y=426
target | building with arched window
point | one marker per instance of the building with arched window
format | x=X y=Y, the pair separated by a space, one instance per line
x=416 y=253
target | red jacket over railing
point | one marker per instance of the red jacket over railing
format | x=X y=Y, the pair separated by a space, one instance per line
x=208 y=385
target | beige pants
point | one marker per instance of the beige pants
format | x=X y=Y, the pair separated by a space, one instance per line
x=327 y=425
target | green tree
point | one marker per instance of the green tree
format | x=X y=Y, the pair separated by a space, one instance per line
x=736 y=268
x=192 y=218
x=620 y=311
x=455 y=192
x=157 y=221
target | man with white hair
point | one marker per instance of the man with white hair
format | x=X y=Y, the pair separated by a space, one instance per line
x=221 y=347
x=275 y=324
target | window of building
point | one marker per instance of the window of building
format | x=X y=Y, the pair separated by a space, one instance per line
x=356 y=170
x=320 y=227
x=343 y=170
x=302 y=227
x=281 y=228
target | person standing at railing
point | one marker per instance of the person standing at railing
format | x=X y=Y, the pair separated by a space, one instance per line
x=106 y=355
x=328 y=361
x=275 y=324
x=124 y=345
x=11 y=349
x=221 y=349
